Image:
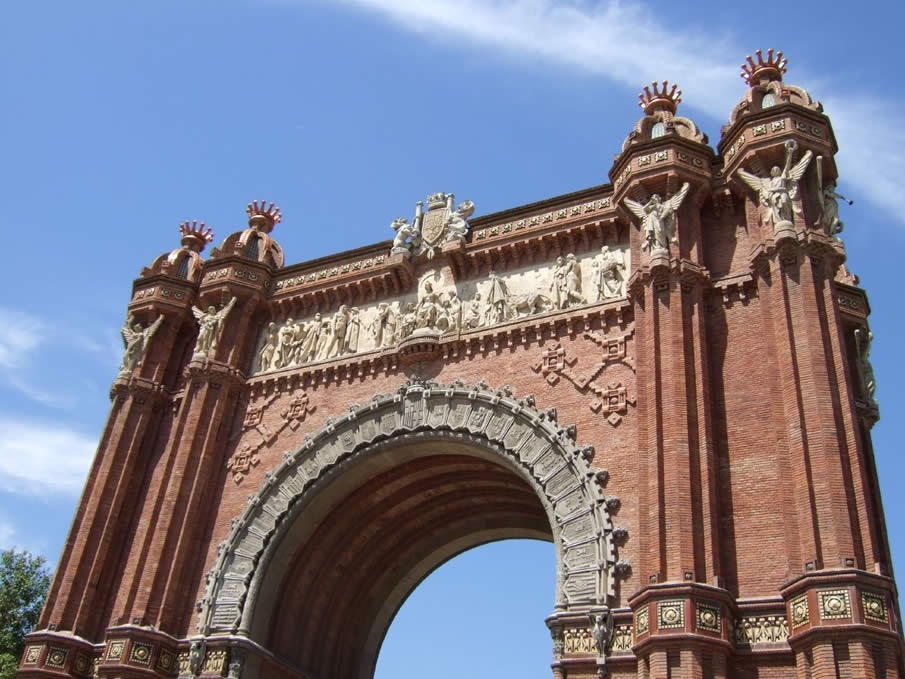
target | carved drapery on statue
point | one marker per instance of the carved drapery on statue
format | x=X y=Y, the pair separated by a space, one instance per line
x=544 y=451
x=210 y=327
x=136 y=340
x=777 y=194
x=658 y=220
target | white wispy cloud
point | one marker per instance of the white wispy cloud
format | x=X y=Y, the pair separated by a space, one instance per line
x=37 y=458
x=20 y=335
x=630 y=43
x=25 y=340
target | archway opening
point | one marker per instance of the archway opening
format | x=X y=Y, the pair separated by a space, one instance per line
x=479 y=614
x=373 y=534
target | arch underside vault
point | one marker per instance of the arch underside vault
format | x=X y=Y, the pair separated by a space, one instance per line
x=347 y=525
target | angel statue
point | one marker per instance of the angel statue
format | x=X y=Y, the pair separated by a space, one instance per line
x=829 y=208
x=658 y=219
x=136 y=340
x=210 y=327
x=778 y=192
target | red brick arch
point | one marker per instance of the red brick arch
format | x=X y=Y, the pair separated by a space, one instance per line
x=441 y=469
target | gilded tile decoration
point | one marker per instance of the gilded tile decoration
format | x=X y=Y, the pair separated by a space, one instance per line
x=622 y=638
x=670 y=614
x=642 y=622
x=799 y=610
x=115 y=650
x=874 y=606
x=32 y=653
x=215 y=662
x=578 y=641
x=708 y=618
x=761 y=629
x=140 y=653
x=834 y=603
x=56 y=657
x=184 y=662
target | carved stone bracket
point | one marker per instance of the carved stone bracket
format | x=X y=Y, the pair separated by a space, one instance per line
x=612 y=399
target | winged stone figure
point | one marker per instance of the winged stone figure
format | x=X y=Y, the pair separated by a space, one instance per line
x=210 y=326
x=777 y=193
x=658 y=218
x=136 y=340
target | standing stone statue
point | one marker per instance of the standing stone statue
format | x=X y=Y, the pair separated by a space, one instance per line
x=136 y=340
x=778 y=193
x=407 y=237
x=658 y=219
x=210 y=324
x=383 y=327
x=829 y=216
x=266 y=354
x=609 y=276
x=336 y=344
x=497 y=301
x=863 y=339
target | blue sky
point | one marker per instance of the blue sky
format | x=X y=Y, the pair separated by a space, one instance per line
x=120 y=120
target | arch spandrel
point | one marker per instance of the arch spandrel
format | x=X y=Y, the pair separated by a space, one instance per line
x=529 y=441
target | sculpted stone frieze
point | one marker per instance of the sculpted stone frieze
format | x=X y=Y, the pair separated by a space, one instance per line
x=441 y=307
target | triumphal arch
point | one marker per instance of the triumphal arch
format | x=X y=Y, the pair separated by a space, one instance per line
x=667 y=376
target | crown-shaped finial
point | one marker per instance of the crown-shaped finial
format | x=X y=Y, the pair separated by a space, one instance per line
x=194 y=235
x=772 y=67
x=262 y=215
x=664 y=98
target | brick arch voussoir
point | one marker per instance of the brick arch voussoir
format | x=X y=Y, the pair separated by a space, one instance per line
x=530 y=440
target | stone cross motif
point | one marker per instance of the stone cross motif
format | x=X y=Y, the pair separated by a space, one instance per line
x=210 y=324
x=136 y=340
x=241 y=462
x=778 y=193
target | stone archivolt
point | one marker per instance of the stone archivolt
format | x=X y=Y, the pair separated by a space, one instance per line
x=530 y=440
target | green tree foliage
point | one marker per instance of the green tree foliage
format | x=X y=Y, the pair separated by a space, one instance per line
x=23 y=584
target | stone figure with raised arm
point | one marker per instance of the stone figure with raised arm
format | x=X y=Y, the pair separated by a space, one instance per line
x=408 y=236
x=658 y=219
x=136 y=340
x=456 y=222
x=210 y=324
x=778 y=193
